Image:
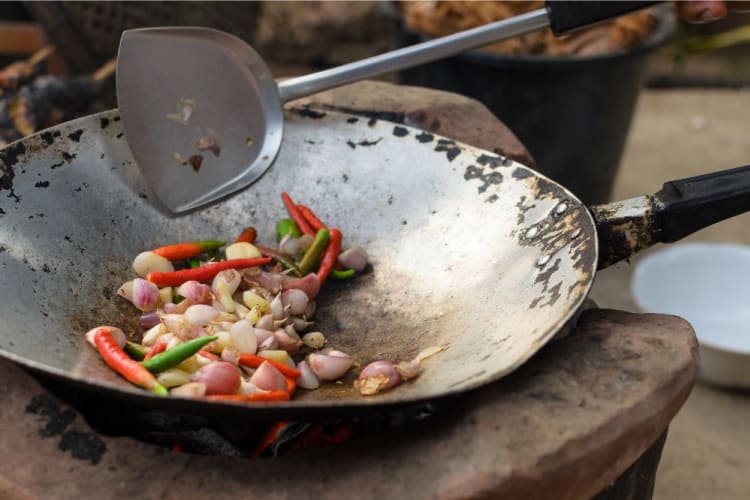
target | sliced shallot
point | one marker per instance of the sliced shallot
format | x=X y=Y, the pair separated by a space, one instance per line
x=268 y=378
x=220 y=377
x=307 y=379
x=330 y=366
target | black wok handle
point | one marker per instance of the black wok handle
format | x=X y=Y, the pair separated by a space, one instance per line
x=566 y=16
x=687 y=205
x=680 y=208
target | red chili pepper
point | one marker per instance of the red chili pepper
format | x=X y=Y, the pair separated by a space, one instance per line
x=311 y=218
x=258 y=397
x=247 y=236
x=329 y=257
x=291 y=385
x=254 y=361
x=296 y=216
x=203 y=273
x=180 y=251
x=268 y=438
x=119 y=361
x=160 y=346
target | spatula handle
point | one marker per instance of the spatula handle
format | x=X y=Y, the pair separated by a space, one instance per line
x=565 y=15
x=569 y=16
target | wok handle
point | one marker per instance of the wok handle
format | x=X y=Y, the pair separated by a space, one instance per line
x=687 y=205
x=680 y=208
x=568 y=16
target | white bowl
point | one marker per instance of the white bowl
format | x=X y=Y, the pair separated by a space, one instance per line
x=708 y=284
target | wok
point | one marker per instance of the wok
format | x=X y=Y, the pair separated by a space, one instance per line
x=469 y=250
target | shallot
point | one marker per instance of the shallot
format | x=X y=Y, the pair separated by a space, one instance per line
x=378 y=376
x=354 y=257
x=149 y=262
x=330 y=366
x=220 y=377
x=294 y=301
x=196 y=292
x=307 y=379
x=268 y=378
x=145 y=295
x=243 y=336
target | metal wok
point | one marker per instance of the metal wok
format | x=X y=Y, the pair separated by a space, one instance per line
x=469 y=250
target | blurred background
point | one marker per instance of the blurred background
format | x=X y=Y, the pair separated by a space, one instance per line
x=612 y=113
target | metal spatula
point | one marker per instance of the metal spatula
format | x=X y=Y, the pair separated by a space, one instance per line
x=202 y=112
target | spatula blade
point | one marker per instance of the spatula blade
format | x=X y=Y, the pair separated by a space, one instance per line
x=201 y=112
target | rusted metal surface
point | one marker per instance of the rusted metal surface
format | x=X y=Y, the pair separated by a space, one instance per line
x=624 y=228
x=469 y=249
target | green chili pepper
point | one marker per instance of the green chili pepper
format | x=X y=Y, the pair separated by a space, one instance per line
x=342 y=274
x=287 y=226
x=176 y=355
x=312 y=255
x=135 y=351
x=193 y=263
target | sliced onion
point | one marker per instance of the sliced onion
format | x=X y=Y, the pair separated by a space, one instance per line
x=261 y=334
x=246 y=387
x=149 y=262
x=224 y=285
x=330 y=366
x=242 y=250
x=179 y=308
x=230 y=355
x=266 y=323
x=243 y=336
x=376 y=377
x=268 y=378
x=286 y=341
x=197 y=293
x=277 y=308
x=307 y=379
x=126 y=291
x=409 y=369
x=149 y=319
x=314 y=340
x=268 y=344
x=145 y=295
x=190 y=390
x=354 y=258
x=220 y=377
x=310 y=284
x=200 y=314
x=294 y=301
x=299 y=324
x=117 y=334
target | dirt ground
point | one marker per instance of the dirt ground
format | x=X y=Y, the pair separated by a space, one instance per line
x=676 y=134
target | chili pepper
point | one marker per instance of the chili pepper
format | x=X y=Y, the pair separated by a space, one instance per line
x=331 y=253
x=311 y=218
x=296 y=216
x=268 y=438
x=312 y=255
x=180 y=251
x=288 y=264
x=291 y=385
x=287 y=227
x=247 y=236
x=193 y=263
x=136 y=351
x=176 y=355
x=157 y=348
x=254 y=361
x=203 y=273
x=256 y=397
x=342 y=274
x=117 y=359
